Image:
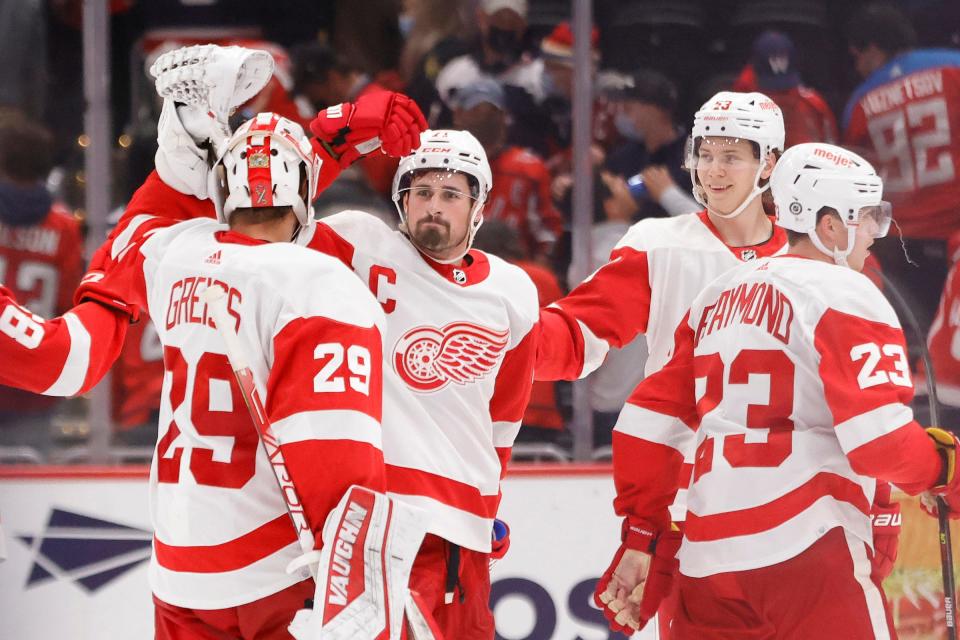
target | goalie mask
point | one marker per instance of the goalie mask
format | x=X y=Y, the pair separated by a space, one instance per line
x=740 y=116
x=268 y=162
x=812 y=176
x=446 y=151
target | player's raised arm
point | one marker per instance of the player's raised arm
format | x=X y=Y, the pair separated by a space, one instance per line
x=607 y=310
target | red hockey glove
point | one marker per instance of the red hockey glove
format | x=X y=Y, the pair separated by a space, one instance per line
x=620 y=589
x=383 y=120
x=111 y=292
x=885 y=516
x=500 y=540
x=948 y=485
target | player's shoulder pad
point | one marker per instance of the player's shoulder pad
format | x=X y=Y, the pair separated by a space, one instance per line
x=517 y=290
x=312 y=283
x=684 y=231
x=839 y=288
x=353 y=226
x=154 y=233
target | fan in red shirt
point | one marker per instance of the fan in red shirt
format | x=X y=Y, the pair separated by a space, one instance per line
x=520 y=196
x=772 y=70
x=40 y=260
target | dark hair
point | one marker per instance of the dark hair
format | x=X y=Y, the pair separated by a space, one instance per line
x=258 y=215
x=313 y=62
x=882 y=25
x=26 y=150
x=793 y=237
x=652 y=87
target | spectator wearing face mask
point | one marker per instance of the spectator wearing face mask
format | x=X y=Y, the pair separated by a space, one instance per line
x=651 y=157
x=497 y=53
x=520 y=196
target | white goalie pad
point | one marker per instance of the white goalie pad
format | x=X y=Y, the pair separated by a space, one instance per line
x=369 y=544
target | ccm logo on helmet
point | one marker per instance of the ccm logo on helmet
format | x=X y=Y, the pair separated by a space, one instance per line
x=436 y=150
x=835 y=158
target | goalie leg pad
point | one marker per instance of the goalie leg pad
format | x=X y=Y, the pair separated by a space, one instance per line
x=369 y=544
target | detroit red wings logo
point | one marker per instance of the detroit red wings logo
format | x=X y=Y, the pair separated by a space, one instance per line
x=428 y=358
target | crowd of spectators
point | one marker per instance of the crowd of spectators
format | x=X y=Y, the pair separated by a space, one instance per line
x=883 y=79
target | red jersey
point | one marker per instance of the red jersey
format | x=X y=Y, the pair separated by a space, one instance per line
x=42 y=265
x=137 y=376
x=521 y=197
x=905 y=118
x=806 y=115
x=944 y=337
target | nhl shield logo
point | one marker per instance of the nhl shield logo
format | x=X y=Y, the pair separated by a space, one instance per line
x=428 y=359
x=748 y=254
x=459 y=276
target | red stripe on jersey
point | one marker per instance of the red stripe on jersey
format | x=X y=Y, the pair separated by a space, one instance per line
x=229 y=556
x=323 y=470
x=863 y=364
x=511 y=391
x=647 y=476
x=776 y=241
x=326 y=240
x=615 y=302
x=767 y=516
x=504 y=453
x=321 y=364
x=404 y=480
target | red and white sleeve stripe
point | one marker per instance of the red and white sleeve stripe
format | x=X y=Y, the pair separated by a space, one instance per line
x=655 y=429
x=63 y=356
x=607 y=310
x=511 y=394
x=325 y=400
x=866 y=381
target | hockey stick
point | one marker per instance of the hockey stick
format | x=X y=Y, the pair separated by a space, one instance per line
x=943 y=521
x=216 y=300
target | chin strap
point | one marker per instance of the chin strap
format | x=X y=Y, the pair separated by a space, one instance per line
x=755 y=193
x=839 y=257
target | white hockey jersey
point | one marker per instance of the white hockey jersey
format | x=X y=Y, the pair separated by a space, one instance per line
x=654 y=273
x=795 y=371
x=222 y=533
x=459 y=351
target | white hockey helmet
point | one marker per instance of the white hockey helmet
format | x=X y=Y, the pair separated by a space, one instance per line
x=745 y=116
x=815 y=175
x=268 y=162
x=447 y=150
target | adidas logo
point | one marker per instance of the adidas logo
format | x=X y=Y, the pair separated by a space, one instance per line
x=213 y=258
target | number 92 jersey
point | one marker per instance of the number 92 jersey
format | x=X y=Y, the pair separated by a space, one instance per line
x=905 y=117
x=797 y=374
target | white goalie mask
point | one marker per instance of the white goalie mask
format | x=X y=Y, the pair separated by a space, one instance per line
x=740 y=116
x=268 y=162
x=453 y=151
x=812 y=176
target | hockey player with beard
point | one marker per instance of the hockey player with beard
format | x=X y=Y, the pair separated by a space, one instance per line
x=789 y=378
x=459 y=345
x=224 y=543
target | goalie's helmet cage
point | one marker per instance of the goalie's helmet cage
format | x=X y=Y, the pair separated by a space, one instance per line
x=268 y=162
x=447 y=150
x=744 y=116
x=815 y=175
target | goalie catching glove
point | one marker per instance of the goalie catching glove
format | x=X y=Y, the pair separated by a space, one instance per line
x=383 y=120
x=369 y=544
x=640 y=576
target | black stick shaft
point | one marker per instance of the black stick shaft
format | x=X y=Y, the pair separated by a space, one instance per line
x=943 y=520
